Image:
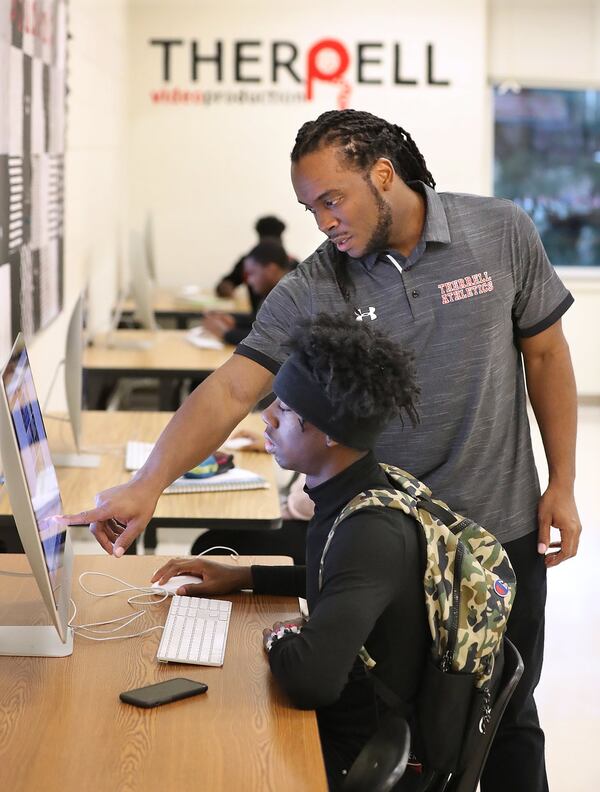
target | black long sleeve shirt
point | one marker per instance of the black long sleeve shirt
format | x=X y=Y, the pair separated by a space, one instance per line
x=372 y=595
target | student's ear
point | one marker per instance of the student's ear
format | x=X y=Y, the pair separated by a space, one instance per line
x=330 y=442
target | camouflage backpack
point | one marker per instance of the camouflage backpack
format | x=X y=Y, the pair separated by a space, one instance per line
x=469 y=587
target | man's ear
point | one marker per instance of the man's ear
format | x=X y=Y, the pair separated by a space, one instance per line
x=383 y=173
x=330 y=442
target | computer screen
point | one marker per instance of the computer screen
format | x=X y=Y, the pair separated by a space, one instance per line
x=33 y=489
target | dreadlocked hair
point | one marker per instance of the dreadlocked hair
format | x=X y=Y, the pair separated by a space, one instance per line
x=362 y=371
x=363 y=138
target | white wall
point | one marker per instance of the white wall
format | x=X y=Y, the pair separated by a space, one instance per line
x=546 y=43
x=554 y=44
x=95 y=172
x=207 y=172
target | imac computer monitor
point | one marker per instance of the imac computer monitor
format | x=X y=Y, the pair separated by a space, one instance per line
x=73 y=372
x=149 y=247
x=36 y=503
x=142 y=293
x=74 y=369
x=142 y=288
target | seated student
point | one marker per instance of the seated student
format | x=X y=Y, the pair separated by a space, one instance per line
x=264 y=267
x=269 y=227
x=335 y=393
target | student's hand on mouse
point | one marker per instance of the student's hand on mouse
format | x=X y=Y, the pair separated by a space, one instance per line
x=257 y=441
x=120 y=516
x=216 y=578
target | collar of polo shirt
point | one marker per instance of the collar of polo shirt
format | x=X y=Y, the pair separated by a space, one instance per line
x=435 y=229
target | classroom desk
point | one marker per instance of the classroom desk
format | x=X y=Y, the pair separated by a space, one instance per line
x=170 y=358
x=172 y=306
x=64 y=729
x=107 y=433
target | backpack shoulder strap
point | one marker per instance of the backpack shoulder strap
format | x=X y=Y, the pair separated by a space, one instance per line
x=406 y=480
x=423 y=495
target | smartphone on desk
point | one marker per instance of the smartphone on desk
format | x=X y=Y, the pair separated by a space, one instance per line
x=163 y=692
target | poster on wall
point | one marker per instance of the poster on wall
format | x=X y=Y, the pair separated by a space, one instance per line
x=32 y=112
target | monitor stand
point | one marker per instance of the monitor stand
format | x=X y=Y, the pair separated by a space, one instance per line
x=76 y=460
x=34 y=641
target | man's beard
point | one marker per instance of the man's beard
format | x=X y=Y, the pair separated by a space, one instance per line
x=379 y=239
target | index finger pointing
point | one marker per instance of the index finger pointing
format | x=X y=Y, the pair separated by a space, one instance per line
x=88 y=517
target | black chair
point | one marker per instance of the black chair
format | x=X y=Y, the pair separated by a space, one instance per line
x=381 y=764
x=382 y=761
x=513 y=671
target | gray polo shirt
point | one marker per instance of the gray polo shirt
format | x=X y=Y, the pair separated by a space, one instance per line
x=478 y=279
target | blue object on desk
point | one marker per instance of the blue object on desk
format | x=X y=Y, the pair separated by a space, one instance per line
x=215 y=463
x=204 y=469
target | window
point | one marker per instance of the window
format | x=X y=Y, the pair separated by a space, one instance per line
x=547 y=160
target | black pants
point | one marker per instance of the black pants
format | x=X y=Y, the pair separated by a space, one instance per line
x=516 y=761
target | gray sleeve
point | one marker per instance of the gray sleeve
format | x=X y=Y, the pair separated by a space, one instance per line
x=268 y=341
x=541 y=297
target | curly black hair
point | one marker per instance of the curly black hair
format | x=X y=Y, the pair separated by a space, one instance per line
x=269 y=226
x=362 y=139
x=361 y=370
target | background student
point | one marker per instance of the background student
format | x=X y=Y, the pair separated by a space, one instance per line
x=264 y=267
x=269 y=227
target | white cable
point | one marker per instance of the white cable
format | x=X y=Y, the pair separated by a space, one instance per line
x=234 y=553
x=145 y=591
x=127 y=619
x=117 y=637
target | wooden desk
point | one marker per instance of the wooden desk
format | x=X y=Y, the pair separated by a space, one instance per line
x=170 y=358
x=172 y=306
x=64 y=729
x=108 y=432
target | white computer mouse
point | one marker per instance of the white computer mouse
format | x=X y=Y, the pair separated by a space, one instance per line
x=171 y=586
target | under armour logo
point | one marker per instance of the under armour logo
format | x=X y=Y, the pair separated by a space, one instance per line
x=360 y=314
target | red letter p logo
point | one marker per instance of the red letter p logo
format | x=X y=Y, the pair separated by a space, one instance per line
x=316 y=73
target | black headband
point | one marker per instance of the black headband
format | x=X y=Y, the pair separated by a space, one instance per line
x=297 y=388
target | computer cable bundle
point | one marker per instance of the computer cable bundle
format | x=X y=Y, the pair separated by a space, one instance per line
x=135 y=599
x=127 y=619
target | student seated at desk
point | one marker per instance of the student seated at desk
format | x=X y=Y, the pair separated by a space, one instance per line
x=264 y=267
x=335 y=393
x=267 y=228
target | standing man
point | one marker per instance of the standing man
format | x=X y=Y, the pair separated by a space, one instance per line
x=462 y=280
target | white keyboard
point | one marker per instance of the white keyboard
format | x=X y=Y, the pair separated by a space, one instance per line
x=195 y=631
x=136 y=454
